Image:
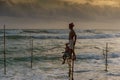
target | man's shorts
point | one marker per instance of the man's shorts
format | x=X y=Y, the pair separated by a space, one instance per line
x=71 y=44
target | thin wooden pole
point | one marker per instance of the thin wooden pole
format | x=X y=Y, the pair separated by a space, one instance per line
x=106 y=58
x=72 y=63
x=71 y=68
x=69 y=64
x=31 y=52
x=4 y=52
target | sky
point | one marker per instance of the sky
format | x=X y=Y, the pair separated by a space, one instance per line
x=113 y=3
x=53 y=14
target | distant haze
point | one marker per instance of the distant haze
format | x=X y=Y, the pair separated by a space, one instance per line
x=40 y=14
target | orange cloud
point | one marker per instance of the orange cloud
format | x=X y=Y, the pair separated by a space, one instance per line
x=112 y=3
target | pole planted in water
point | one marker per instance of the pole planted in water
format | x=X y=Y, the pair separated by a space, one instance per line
x=71 y=68
x=72 y=63
x=31 y=42
x=4 y=51
x=106 y=58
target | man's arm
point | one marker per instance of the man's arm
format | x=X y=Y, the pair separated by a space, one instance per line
x=69 y=35
x=75 y=38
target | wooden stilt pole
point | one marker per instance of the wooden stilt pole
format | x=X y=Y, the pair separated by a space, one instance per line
x=69 y=64
x=32 y=53
x=71 y=68
x=72 y=63
x=4 y=52
x=31 y=42
x=106 y=58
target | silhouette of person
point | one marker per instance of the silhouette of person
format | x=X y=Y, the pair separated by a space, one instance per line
x=72 y=40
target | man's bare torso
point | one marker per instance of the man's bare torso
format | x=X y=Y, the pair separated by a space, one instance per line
x=71 y=35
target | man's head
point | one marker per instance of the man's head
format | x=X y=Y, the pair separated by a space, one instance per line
x=71 y=25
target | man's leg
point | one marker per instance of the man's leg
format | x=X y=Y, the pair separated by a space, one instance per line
x=74 y=56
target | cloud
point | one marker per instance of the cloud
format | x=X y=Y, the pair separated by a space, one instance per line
x=102 y=3
x=55 y=12
x=60 y=9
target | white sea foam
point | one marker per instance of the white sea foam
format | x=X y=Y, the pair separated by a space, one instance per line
x=48 y=46
x=60 y=34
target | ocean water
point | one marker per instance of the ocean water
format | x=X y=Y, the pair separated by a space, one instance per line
x=48 y=45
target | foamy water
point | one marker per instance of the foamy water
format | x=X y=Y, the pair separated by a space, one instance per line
x=48 y=48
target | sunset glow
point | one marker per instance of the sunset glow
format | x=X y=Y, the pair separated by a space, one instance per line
x=112 y=3
x=97 y=14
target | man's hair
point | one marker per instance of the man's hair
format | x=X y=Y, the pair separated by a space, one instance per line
x=71 y=25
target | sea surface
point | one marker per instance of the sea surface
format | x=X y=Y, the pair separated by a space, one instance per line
x=48 y=45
